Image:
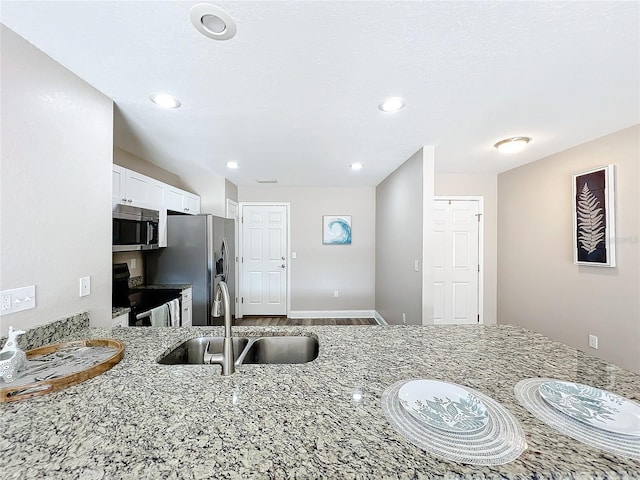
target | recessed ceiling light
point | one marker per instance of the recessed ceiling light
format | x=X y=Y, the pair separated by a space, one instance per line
x=356 y=166
x=392 y=104
x=232 y=164
x=164 y=100
x=212 y=21
x=512 y=145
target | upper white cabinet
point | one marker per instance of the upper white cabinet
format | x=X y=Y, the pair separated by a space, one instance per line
x=181 y=201
x=133 y=188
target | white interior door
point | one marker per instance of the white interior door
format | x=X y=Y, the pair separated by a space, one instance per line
x=232 y=212
x=456 y=261
x=264 y=264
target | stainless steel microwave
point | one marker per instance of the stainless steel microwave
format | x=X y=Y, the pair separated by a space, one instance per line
x=134 y=228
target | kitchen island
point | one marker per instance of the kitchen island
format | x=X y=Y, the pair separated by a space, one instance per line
x=144 y=420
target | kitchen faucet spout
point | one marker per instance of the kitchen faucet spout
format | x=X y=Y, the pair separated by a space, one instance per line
x=222 y=306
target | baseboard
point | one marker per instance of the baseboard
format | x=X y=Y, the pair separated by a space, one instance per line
x=332 y=314
x=379 y=319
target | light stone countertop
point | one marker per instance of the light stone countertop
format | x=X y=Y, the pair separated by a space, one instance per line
x=144 y=420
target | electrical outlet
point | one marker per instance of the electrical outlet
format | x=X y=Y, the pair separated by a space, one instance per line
x=294 y=255
x=85 y=286
x=17 y=299
x=593 y=341
x=6 y=302
x=335 y=293
x=133 y=263
x=404 y=318
x=416 y=265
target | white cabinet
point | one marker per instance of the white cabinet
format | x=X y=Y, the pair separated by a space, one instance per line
x=133 y=188
x=121 y=321
x=187 y=310
x=117 y=185
x=181 y=201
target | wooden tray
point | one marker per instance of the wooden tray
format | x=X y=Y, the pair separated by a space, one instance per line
x=54 y=367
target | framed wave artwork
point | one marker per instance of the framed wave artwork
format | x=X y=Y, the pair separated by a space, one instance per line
x=336 y=229
x=593 y=217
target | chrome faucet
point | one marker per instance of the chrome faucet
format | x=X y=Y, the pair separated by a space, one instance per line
x=222 y=306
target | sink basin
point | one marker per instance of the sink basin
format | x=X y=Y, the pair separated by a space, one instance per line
x=281 y=350
x=192 y=351
x=252 y=350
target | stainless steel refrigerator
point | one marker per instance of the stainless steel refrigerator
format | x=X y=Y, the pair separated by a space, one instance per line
x=200 y=251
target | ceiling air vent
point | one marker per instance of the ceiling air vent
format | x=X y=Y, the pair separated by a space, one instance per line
x=267 y=181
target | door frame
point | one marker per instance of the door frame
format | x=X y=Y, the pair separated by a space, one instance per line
x=480 y=200
x=287 y=205
x=230 y=202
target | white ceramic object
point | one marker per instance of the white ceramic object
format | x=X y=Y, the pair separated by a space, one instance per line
x=12 y=358
x=592 y=406
x=443 y=405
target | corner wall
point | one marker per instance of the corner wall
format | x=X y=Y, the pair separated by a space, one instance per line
x=539 y=287
x=55 y=197
x=399 y=239
x=320 y=269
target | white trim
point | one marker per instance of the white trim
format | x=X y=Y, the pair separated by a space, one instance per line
x=287 y=205
x=379 y=319
x=333 y=314
x=480 y=200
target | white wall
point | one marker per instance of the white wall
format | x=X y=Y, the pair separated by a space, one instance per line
x=57 y=137
x=539 y=287
x=486 y=186
x=320 y=269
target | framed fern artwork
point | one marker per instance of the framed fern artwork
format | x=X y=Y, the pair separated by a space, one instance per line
x=593 y=217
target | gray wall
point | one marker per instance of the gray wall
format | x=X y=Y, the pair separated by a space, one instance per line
x=57 y=140
x=320 y=269
x=539 y=287
x=140 y=165
x=486 y=186
x=399 y=243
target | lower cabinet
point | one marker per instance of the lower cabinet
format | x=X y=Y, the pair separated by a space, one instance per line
x=187 y=310
x=121 y=321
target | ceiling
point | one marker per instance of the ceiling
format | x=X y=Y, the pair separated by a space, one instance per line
x=294 y=95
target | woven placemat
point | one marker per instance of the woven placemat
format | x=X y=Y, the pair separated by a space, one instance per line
x=500 y=441
x=527 y=394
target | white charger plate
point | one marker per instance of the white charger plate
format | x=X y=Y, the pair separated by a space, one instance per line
x=592 y=406
x=443 y=406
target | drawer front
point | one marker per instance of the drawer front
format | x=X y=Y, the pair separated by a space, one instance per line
x=186 y=294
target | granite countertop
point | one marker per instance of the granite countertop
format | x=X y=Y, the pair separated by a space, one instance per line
x=145 y=420
x=117 y=311
x=160 y=286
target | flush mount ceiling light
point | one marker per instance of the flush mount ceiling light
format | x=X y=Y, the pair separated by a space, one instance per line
x=164 y=100
x=232 y=164
x=356 y=166
x=512 y=145
x=212 y=21
x=392 y=104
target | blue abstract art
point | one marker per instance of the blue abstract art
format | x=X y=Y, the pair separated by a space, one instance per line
x=336 y=230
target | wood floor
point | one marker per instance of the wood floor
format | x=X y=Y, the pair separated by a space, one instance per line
x=304 y=322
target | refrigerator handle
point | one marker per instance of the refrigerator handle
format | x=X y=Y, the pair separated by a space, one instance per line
x=225 y=259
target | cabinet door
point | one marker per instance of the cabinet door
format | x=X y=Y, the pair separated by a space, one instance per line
x=138 y=189
x=117 y=185
x=121 y=321
x=174 y=199
x=191 y=204
x=187 y=310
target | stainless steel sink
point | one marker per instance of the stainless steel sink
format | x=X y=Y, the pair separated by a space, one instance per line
x=280 y=350
x=246 y=350
x=192 y=351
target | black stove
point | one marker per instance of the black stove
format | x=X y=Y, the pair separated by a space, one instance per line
x=140 y=299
